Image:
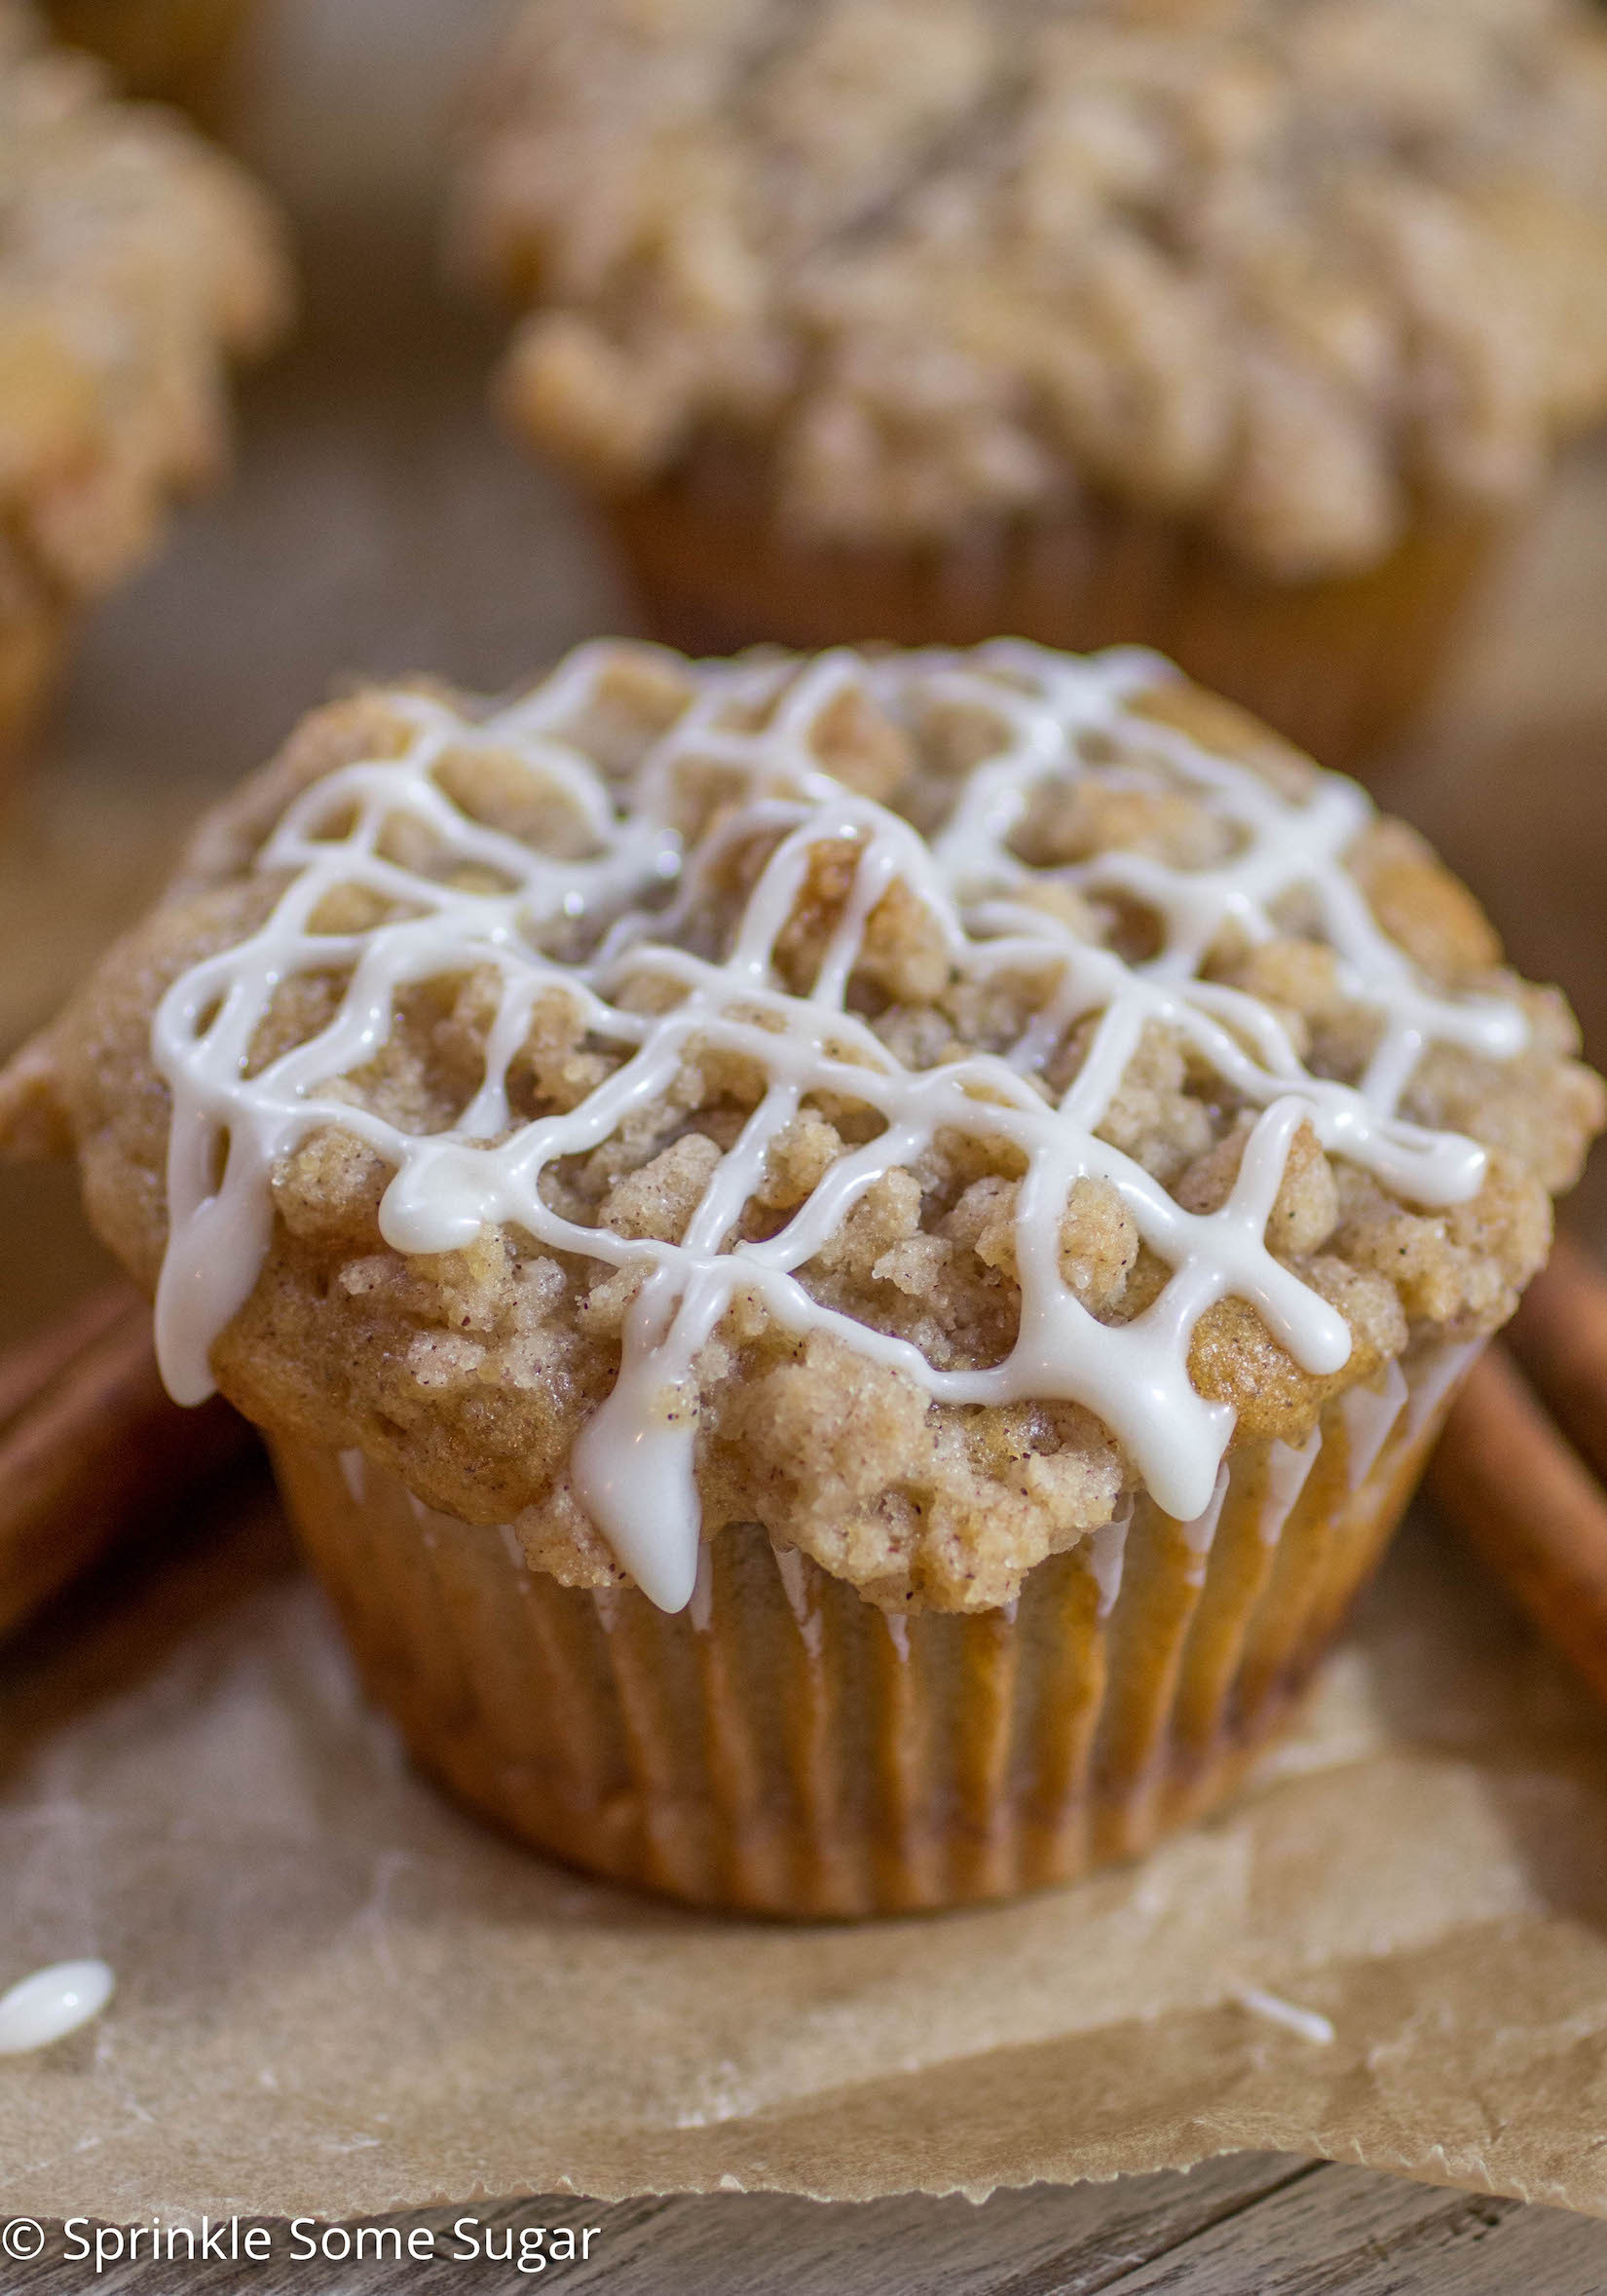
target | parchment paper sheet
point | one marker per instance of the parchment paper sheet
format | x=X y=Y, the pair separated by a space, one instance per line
x=337 y=1994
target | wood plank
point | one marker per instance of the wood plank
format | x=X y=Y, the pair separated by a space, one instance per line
x=1351 y=2232
x=1077 y=2240
x=1262 y=2222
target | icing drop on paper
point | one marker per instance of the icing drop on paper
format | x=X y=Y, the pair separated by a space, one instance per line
x=1309 y=2023
x=487 y=897
x=51 y=2004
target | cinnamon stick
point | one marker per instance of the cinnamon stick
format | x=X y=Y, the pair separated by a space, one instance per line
x=90 y=1447
x=1559 y=1335
x=1522 y=1495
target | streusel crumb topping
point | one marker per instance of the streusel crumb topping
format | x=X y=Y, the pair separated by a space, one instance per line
x=1285 y=268
x=916 y=1097
x=135 y=262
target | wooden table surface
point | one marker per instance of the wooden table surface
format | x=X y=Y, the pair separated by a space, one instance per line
x=378 y=521
x=1249 y=2224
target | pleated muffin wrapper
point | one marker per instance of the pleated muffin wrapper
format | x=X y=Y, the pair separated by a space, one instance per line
x=785 y=1746
x=1337 y=666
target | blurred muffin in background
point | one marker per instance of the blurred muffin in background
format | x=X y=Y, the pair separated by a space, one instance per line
x=135 y=261
x=1234 y=326
x=176 y=49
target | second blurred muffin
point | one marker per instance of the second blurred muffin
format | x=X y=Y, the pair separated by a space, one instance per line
x=1236 y=326
x=135 y=262
x=178 y=50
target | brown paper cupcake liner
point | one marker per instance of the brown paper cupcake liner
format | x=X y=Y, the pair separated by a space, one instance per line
x=1338 y=666
x=784 y=1747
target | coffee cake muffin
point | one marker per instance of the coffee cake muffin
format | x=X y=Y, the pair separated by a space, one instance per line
x=177 y=49
x=847 y=1262
x=135 y=261
x=1236 y=326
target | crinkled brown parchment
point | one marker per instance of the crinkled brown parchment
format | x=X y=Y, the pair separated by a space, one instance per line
x=338 y=1995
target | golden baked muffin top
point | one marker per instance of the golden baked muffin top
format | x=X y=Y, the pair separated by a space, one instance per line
x=1289 y=269
x=908 y=1100
x=133 y=260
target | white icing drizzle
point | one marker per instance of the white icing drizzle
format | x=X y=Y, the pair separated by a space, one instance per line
x=513 y=1549
x=1432 y=1378
x=789 y=1563
x=1368 y=1415
x=633 y=1462
x=51 y=2004
x=1287 y=1473
x=1309 y=2023
x=700 y=1609
x=1106 y=1550
x=898 y=1633
x=1200 y=1534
